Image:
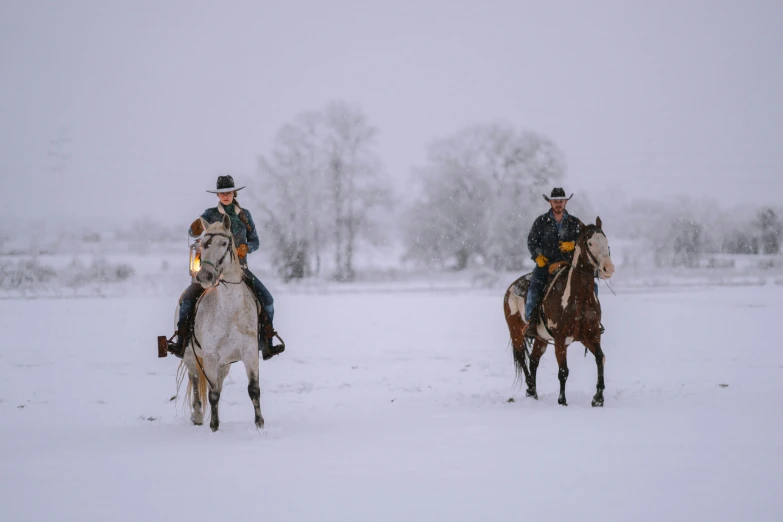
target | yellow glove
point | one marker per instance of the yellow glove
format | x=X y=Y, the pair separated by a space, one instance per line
x=541 y=261
x=567 y=246
x=242 y=250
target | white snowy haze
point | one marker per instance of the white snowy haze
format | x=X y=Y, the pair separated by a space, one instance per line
x=124 y=110
x=395 y=154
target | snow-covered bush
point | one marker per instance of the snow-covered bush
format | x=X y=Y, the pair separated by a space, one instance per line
x=25 y=274
x=79 y=274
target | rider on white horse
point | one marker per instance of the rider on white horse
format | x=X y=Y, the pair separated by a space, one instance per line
x=246 y=241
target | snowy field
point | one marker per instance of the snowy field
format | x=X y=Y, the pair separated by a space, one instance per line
x=394 y=406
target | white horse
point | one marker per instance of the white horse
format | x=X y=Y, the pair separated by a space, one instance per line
x=226 y=327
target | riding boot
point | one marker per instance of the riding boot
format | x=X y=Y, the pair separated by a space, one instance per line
x=529 y=329
x=176 y=347
x=187 y=308
x=266 y=335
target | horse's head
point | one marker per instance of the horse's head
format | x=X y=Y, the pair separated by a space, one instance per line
x=217 y=252
x=594 y=242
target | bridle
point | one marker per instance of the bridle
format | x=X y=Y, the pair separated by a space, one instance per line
x=596 y=273
x=218 y=266
x=590 y=256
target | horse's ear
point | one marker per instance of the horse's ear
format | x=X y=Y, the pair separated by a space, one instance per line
x=227 y=222
x=598 y=222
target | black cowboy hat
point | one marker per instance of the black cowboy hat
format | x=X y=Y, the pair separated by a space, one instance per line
x=225 y=184
x=558 y=194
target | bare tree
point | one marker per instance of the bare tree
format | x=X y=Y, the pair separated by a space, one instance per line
x=290 y=182
x=356 y=184
x=480 y=193
x=320 y=187
x=770 y=230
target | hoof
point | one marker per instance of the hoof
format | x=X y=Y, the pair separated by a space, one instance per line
x=562 y=402
x=198 y=421
x=531 y=393
x=214 y=426
x=598 y=403
x=260 y=423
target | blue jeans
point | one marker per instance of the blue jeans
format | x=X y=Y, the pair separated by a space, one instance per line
x=266 y=299
x=537 y=283
x=193 y=292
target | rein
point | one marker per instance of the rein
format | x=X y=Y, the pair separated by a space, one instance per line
x=229 y=248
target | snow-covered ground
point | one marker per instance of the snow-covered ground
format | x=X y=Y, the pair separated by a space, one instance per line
x=393 y=405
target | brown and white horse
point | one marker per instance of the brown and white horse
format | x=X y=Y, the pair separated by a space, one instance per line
x=569 y=312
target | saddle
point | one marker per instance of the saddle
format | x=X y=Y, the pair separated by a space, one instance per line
x=522 y=286
x=188 y=331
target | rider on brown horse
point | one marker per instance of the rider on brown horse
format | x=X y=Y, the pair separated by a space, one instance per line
x=246 y=241
x=551 y=240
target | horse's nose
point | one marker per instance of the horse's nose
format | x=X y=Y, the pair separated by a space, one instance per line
x=607 y=269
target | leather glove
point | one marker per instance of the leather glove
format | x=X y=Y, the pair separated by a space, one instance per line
x=541 y=261
x=242 y=250
x=567 y=246
x=196 y=228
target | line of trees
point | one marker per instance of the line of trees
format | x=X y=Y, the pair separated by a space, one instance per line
x=323 y=191
x=682 y=232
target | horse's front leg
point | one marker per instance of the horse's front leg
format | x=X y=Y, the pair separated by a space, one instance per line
x=600 y=359
x=539 y=347
x=562 y=373
x=197 y=415
x=215 y=375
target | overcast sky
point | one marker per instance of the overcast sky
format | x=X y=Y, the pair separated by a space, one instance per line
x=646 y=99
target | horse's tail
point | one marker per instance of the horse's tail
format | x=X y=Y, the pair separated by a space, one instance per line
x=520 y=363
x=515 y=328
x=202 y=385
x=182 y=372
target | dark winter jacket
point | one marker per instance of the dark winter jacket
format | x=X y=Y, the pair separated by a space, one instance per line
x=242 y=225
x=545 y=239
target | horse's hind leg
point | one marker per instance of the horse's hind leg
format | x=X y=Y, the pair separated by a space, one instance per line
x=254 y=390
x=595 y=348
x=518 y=343
x=562 y=373
x=539 y=347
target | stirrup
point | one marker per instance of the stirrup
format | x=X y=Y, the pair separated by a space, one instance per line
x=175 y=348
x=267 y=351
x=530 y=330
